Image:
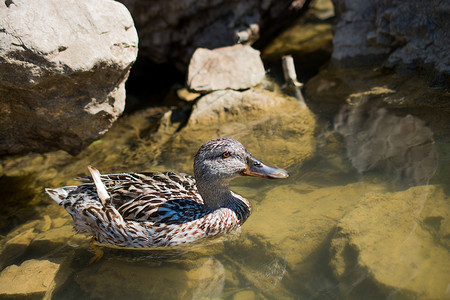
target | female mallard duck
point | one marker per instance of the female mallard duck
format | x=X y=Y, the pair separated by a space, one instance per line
x=150 y=210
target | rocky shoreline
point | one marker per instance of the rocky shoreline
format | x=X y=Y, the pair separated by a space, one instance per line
x=373 y=219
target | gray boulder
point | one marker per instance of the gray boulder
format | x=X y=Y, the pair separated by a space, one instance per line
x=63 y=67
x=408 y=35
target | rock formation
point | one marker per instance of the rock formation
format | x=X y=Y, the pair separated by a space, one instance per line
x=170 y=31
x=62 y=72
x=402 y=148
x=409 y=36
x=396 y=243
x=234 y=105
x=32 y=279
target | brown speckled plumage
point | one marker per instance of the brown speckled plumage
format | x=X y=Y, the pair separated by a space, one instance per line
x=150 y=210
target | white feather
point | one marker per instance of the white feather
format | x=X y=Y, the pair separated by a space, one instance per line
x=101 y=189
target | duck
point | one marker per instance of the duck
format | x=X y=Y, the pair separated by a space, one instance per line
x=164 y=209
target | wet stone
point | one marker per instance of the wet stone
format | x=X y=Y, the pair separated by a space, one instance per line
x=209 y=278
x=203 y=279
x=369 y=130
x=404 y=94
x=245 y=295
x=16 y=243
x=393 y=241
x=309 y=216
x=255 y=266
x=54 y=237
x=16 y=246
x=32 y=279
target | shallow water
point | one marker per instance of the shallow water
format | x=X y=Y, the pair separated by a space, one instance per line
x=365 y=214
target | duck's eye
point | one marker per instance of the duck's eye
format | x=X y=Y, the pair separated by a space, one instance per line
x=226 y=154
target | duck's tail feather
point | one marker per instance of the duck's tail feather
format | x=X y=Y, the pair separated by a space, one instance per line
x=59 y=194
x=101 y=189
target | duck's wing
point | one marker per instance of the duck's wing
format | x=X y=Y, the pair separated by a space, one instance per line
x=158 y=197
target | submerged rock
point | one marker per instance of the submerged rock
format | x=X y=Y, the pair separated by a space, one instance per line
x=309 y=216
x=237 y=67
x=199 y=279
x=62 y=78
x=31 y=280
x=332 y=88
x=38 y=236
x=396 y=244
x=245 y=295
x=402 y=148
x=295 y=222
x=15 y=245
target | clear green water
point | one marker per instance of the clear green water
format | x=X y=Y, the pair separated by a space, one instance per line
x=365 y=215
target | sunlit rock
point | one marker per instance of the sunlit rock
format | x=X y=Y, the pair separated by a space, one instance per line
x=237 y=67
x=395 y=244
x=256 y=117
x=62 y=78
x=186 y=95
x=225 y=105
x=32 y=279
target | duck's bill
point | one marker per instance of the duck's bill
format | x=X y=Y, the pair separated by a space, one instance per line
x=258 y=169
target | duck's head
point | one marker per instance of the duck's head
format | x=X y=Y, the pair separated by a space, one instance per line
x=224 y=158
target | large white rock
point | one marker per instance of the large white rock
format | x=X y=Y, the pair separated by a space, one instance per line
x=237 y=67
x=63 y=66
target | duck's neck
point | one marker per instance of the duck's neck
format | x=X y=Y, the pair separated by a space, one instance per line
x=217 y=194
